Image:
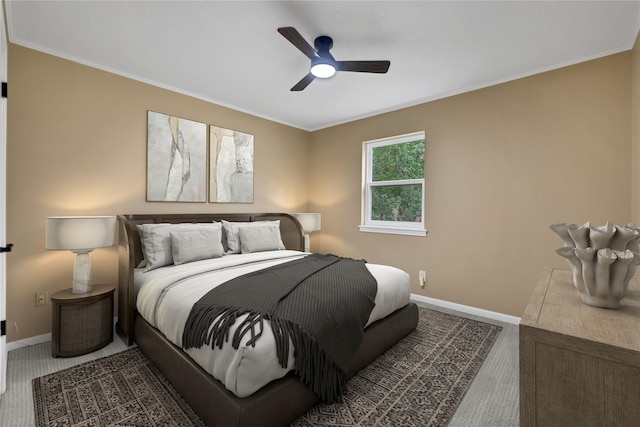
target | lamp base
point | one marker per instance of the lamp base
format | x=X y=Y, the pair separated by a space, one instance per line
x=81 y=273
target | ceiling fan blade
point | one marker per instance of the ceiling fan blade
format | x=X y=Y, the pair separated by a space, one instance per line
x=298 y=41
x=303 y=83
x=364 y=66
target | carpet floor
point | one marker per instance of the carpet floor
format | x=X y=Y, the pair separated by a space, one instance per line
x=419 y=382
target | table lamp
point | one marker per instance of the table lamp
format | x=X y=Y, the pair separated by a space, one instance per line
x=80 y=235
x=310 y=222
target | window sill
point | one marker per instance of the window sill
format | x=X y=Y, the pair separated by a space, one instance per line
x=392 y=230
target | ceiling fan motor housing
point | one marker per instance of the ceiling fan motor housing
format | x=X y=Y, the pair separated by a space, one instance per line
x=323 y=44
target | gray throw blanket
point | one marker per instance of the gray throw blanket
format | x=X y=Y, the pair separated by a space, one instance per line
x=320 y=302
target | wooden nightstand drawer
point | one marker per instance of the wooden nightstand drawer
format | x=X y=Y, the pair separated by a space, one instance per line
x=82 y=323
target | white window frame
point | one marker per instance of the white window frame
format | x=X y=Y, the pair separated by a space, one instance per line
x=388 y=227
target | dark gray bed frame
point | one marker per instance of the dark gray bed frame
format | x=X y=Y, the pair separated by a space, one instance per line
x=279 y=402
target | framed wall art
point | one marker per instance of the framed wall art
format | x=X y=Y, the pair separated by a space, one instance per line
x=176 y=159
x=231 y=166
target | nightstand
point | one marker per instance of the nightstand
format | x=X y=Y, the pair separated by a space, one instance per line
x=82 y=323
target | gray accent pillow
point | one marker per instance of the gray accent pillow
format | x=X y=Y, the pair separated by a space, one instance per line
x=259 y=239
x=232 y=233
x=195 y=245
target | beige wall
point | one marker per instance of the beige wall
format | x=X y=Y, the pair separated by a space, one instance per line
x=77 y=146
x=635 y=132
x=502 y=164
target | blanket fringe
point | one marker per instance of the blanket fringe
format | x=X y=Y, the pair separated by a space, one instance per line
x=211 y=326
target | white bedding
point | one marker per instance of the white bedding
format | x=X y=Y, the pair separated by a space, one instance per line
x=165 y=297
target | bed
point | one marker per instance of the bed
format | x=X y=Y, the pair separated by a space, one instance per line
x=214 y=400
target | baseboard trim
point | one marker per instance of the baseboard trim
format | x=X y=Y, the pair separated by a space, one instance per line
x=38 y=339
x=26 y=342
x=494 y=315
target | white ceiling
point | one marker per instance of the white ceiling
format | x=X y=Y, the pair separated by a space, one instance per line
x=229 y=52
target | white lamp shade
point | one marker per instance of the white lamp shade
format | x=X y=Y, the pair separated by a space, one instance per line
x=309 y=221
x=80 y=233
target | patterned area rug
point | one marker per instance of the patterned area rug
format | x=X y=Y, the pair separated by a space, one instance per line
x=419 y=382
x=124 y=389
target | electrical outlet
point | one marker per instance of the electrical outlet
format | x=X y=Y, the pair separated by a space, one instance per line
x=42 y=298
x=422 y=278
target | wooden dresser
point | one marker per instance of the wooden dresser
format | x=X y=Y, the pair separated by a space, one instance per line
x=579 y=365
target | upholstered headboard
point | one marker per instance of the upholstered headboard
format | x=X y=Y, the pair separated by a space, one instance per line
x=130 y=251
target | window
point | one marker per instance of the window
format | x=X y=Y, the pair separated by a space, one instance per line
x=393 y=185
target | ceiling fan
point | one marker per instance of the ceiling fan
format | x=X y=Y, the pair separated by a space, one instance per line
x=323 y=64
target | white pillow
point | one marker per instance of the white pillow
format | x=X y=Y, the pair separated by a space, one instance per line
x=194 y=245
x=259 y=239
x=232 y=233
x=156 y=241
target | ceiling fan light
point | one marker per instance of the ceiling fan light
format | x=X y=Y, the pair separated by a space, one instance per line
x=323 y=70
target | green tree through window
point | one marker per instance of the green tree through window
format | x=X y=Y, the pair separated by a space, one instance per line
x=397 y=162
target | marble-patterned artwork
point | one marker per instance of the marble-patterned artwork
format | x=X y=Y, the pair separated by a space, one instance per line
x=231 y=163
x=176 y=159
